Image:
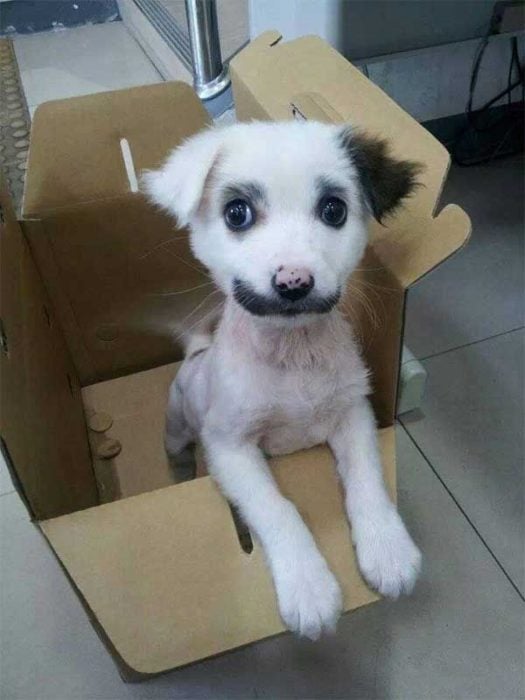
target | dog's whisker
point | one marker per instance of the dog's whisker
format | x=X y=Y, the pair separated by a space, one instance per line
x=374 y=285
x=162 y=244
x=200 y=270
x=199 y=306
x=181 y=291
x=201 y=319
x=366 y=305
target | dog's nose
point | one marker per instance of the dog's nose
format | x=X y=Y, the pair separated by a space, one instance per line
x=293 y=283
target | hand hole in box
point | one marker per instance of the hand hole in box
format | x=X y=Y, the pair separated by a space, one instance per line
x=243 y=533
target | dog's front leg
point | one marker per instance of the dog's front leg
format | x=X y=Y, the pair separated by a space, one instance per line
x=387 y=556
x=308 y=594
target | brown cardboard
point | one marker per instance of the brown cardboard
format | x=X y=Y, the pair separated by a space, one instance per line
x=158 y=565
x=41 y=415
x=164 y=573
x=137 y=406
x=110 y=262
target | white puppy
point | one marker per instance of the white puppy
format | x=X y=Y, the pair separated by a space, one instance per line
x=277 y=213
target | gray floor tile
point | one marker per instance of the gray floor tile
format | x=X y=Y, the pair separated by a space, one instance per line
x=47 y=646
x=6 y=485
x=459 y=636
x=480 y=291
x=472 y=433
x=80 y=61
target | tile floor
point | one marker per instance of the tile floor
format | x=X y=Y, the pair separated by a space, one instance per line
x=79 y=61
x=461 y=634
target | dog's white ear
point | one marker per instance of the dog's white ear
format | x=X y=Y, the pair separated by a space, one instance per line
x=178 y=185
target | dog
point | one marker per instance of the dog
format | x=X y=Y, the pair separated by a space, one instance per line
x=278 y=212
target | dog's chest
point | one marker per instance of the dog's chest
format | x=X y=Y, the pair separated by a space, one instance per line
x=287 y=390
x=297 y=410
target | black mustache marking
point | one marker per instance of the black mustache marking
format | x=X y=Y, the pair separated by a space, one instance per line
x=262 y=305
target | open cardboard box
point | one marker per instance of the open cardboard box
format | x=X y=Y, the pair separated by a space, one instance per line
x=88 y=312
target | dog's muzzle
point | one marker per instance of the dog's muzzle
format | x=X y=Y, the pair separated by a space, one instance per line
x=280 y=304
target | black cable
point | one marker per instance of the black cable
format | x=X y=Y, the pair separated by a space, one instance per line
x=475 y=71
x=474 y=117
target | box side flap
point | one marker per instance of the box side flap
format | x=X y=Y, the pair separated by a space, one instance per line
x=75 y=151
x=415 y=245
x=166 y=578
x=41 y=418
x=306 y=78
x=374 y=304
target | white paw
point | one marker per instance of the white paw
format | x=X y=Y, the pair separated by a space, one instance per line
x=388 y=558
x=310 y=600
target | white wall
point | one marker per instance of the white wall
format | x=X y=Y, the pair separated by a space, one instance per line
x=295 y=18
x=428 y=83
x=434 y=83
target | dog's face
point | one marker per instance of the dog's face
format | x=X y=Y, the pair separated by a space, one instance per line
x=278 y=211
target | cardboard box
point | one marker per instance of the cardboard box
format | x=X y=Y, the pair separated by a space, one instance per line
x=93 y=280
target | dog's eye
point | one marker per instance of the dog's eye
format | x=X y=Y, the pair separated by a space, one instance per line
x=332 y=211
x=239 y=215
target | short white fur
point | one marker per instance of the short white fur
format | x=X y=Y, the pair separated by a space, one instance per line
x=275 y=384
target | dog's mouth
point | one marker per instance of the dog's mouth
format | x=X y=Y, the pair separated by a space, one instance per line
x=272 y=305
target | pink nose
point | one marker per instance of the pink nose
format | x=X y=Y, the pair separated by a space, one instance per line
x=293 y=283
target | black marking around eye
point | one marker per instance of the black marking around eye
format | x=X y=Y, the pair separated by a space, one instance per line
x=250 y=191
x=326 y=187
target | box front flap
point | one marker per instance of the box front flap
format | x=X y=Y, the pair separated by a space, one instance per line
x=166 y=578
x=76 y=154
x=306 y=78
x=41 y=415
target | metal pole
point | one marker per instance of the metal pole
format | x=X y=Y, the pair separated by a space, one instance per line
x=210 y=77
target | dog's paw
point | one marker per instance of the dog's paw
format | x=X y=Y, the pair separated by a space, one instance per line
x=388 y=558
x=309 y=597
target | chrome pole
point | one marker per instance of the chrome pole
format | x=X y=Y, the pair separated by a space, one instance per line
x=210 y=77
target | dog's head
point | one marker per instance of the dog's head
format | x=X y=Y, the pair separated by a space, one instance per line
x=278 y=211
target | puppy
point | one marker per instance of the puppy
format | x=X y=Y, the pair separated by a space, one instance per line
x=278 y=213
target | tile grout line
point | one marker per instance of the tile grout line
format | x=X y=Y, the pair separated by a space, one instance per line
x=7 y=493
x=467 y=345
x=462 y=510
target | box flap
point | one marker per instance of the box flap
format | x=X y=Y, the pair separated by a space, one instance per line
x=41 y=414
x=75 y=152
x=306 y=78
x=118 y=271
x=166 y=578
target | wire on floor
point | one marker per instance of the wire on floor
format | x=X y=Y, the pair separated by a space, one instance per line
x=505 y=128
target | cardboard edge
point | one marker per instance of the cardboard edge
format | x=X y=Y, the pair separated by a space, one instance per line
x=47 y=112
x=463 y=225
x=126 y=672
x=17 y=483
x=135 y=672
x=131 y=674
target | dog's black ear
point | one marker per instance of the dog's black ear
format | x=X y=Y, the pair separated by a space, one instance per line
x=385 y=181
